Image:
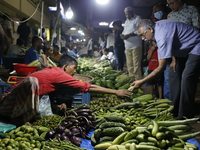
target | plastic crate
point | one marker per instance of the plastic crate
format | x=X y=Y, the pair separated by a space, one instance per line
x=81 y=99
x=3 y=87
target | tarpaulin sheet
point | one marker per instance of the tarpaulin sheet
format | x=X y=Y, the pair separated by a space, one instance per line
x=87 y=143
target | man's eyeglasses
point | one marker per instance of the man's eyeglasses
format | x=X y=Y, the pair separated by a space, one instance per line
x=171 y=4
x=143 y=35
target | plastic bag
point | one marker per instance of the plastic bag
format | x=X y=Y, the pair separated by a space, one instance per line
x=45 y=106
x=6 y=127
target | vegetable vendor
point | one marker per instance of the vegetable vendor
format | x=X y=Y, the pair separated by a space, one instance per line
x=20 y=103
x=180 y=42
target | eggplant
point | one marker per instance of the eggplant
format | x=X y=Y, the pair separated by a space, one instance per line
x=60 y=129
x=70 y=117
x=76 y=124
x=82 y=123
x=75 y=131
x=84 y=106
x=75 y=140
x=58 y=135
x=50 y=134
x=73 y=113
x=86 y=120
x=83 y=134
x=63 y=137
x=83 y=110
x=68 y=133
x=71 y=120
x=83 y=114
x=68 y=124
x=90 y=117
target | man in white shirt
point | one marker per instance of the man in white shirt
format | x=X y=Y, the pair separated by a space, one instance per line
x=107 y=56
x=133 y=44
x=110 y=40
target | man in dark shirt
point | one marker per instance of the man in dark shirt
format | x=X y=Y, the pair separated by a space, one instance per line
x=24 y=31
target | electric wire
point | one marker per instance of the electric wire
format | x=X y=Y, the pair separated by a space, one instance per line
x=27 y=18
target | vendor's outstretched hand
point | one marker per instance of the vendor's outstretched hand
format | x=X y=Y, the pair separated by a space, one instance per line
x=126 y=93
x=137 y=84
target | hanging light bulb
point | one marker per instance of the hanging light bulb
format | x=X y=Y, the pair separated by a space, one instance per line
x=102 y=1
x=69 y=14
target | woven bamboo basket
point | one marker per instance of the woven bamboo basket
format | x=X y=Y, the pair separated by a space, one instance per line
x=84 y=78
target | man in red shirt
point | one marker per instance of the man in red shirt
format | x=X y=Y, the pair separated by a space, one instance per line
x=21 y=101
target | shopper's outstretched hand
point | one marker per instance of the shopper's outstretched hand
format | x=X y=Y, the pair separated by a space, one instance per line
x=136 y=84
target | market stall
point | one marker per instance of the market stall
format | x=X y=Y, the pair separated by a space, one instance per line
x=106 y=122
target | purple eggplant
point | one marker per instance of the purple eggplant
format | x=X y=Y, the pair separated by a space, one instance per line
x=68 y=133
x=58 y=135
x=75 y=131
x=63 y=137
x=83 y=110
x=60 y=129
x=84 y=106
x=70 y=117
x=50 y=134
x=75 y=140
x=83 y=114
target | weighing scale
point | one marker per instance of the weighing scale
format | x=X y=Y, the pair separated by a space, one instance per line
x=14 y=78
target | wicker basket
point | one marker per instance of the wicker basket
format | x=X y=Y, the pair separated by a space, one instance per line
x=85 y=78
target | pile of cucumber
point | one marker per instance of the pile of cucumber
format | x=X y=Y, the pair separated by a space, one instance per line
x=156 y=136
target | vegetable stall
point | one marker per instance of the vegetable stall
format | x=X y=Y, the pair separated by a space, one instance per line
x=108 y=122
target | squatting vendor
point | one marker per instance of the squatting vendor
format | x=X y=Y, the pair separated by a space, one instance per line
x=20 y=103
